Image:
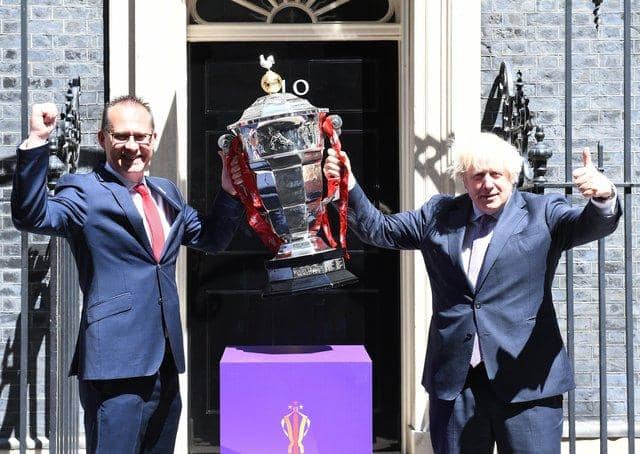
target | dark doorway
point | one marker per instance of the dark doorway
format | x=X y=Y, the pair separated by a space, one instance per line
x=358 y=81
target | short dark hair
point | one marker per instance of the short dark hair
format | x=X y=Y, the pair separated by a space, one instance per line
x=125 y=99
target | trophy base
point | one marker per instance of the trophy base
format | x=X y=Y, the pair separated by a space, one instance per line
x=306 y=273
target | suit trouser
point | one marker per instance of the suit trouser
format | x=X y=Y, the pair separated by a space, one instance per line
x=477 y=420
x=133 y=415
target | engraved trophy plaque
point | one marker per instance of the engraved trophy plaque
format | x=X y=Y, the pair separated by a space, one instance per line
x=279 y=144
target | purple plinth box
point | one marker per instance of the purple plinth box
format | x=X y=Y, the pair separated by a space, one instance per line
x=295 y=400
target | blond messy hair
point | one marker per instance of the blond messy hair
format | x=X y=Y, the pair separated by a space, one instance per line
x=485 y=150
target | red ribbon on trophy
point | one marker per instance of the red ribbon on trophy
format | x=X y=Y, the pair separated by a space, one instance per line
x=333 y=184
x=249 y=196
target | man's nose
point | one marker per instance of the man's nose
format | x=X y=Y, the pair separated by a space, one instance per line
x=131 y=144
x=488 y=181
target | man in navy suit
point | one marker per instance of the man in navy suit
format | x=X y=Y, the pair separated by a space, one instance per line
x=496 y=366
x=125 y=230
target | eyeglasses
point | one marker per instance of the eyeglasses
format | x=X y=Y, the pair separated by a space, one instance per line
x=120 y=138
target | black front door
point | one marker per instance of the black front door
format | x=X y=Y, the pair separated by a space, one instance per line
x=358 y=81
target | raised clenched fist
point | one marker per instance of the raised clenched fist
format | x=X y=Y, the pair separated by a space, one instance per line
x=43 y=120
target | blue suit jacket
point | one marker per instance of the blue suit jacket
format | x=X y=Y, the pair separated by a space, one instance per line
x=522 y=349
x=126 y=293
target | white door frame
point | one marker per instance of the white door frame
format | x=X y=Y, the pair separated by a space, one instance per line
x=438 y=93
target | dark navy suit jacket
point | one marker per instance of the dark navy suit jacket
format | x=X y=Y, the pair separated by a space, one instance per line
x=126 y=293
x=520 y=340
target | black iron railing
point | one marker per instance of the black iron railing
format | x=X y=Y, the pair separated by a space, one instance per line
x=64 y=288
x=64 y=304
x=516 y=124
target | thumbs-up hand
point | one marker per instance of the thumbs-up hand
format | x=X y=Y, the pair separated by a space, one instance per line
x=590 y=181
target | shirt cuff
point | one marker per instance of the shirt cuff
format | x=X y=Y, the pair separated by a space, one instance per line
x=29 y=144
x=607 y=207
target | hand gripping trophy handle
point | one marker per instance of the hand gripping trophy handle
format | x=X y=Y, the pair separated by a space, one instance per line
x=332 y=127
x=337 y=188
x=248 y=191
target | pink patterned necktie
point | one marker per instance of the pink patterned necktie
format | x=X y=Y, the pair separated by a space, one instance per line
x=480 y=241
x=153 y=219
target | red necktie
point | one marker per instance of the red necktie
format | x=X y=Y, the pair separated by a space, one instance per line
x=153 y=219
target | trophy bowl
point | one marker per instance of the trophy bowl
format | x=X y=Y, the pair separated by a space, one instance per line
x=280 y=140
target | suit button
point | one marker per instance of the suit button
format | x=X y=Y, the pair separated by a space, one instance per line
x=478 y=305
x=468 y=337
x=160 y=301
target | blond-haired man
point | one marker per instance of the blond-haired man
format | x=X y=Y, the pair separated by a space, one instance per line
x=496 y=366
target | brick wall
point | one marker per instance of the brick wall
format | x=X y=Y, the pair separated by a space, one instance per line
x=529 y=34
x=65 y=41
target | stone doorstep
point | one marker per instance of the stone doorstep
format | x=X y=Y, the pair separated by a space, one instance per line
x=583 y=446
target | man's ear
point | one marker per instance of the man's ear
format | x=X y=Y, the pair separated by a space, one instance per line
x=101 y=138
x=463 y=179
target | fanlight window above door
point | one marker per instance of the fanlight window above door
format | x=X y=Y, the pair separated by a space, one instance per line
x=292 y=11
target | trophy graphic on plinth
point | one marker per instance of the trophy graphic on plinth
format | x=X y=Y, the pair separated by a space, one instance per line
x=295 y=426
x=279 y=143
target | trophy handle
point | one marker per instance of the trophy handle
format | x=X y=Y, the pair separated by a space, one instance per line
x=332 y=127
x=336 y=121
x=336 y=187
x=224 y=142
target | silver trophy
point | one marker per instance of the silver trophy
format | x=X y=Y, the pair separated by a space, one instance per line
x=282 y=143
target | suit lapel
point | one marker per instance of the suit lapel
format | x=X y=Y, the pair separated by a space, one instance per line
x=123 y=198
x=156 y=186
x=510 y=219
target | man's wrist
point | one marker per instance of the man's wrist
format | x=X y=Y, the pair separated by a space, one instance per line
x=32 y=142
x=351 y=182
x=612 y=194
